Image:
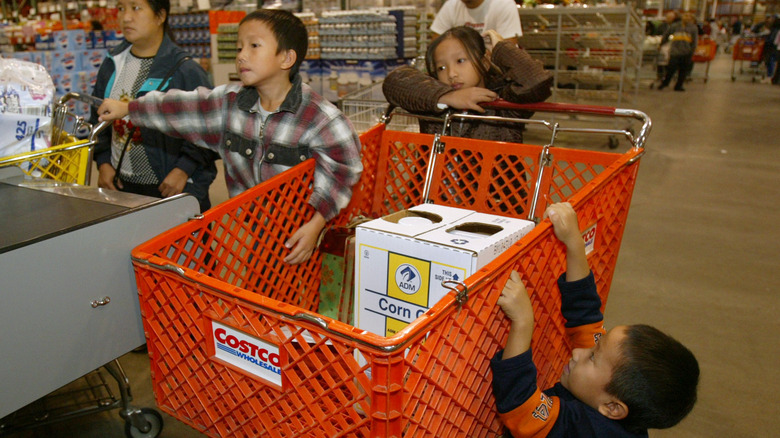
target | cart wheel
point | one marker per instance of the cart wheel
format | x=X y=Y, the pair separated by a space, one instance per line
x=155 y=420
x=613 y=142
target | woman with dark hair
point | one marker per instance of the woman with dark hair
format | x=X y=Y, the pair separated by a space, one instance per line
x=145 y=161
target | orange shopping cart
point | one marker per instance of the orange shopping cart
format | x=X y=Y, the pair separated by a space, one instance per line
x=749 y=49
x=237 y=347
x=706 y=48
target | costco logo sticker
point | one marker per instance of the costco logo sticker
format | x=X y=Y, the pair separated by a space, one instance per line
x=589 y=236
x=249 y=354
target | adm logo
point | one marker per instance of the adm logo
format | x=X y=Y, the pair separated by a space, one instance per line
x=407 y=278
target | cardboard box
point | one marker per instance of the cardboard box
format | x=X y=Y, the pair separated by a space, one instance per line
x=403 y=258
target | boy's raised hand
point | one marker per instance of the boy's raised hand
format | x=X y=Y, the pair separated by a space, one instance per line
x=566 y=229
x=112 y=109
x=516 y=304
x=468 y=98
x=564 y=220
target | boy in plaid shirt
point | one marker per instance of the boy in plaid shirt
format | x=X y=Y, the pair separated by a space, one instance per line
x=269 y=123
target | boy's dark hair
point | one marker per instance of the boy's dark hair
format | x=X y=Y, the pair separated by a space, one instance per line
x=656 y=378
x=471 y=40
x=289 y=30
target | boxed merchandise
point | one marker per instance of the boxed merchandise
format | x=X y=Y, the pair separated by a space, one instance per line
x=341 y=77
x=91 y=59
x=112 y=38
x=403 y=258
x=70 y=39
x=26 y=94
x=66 y=61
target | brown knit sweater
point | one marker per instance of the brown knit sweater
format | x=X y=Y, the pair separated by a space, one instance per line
x=523 y=80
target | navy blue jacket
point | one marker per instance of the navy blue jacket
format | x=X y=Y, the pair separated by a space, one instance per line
x=165 y=153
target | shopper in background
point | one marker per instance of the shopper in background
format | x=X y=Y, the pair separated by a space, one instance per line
x=145 y=161
x=770 y=48
x=462 y=74
x=663 y=50
x=482 y=15
x=683 y=36
x=616 y=384
x=266 y=125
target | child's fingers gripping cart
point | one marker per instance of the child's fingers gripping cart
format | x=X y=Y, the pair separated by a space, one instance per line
x=236 y=345
x=67 y=159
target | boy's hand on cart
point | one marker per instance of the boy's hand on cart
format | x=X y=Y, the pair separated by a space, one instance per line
x=566 y=229
x=112 y=109
x=468 y=98
x=516 y=304
x=174 y=183
x=106 y=174
x=304 y=241
x=564 y=220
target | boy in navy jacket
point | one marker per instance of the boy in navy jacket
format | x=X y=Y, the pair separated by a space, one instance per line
x=616 y=384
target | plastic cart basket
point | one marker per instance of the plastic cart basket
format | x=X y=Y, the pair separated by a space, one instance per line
x=749 y=49
x=223 y=277
x=68 y=159
x=705 y=53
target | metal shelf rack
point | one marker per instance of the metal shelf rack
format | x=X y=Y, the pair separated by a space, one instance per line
x=594 y=52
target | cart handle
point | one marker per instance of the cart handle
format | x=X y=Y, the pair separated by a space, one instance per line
x=638 y=140
x=92 y=101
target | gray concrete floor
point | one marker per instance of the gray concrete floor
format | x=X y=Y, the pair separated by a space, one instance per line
x=699 y=257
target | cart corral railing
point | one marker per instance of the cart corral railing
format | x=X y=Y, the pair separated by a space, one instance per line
x=433 y=377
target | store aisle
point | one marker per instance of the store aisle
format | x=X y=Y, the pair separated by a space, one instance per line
x=699 y=257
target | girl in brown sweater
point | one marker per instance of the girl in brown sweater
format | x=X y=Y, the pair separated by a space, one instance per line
x=462 y=74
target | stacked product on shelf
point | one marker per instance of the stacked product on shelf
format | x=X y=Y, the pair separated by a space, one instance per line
x=358 y=35
x=594 y=53
x=72 y=58
x=348 y=50
x=190 y=31
x=227 y=37
x=311 y=22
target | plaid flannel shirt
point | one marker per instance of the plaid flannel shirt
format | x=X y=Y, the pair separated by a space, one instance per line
x=226 y=120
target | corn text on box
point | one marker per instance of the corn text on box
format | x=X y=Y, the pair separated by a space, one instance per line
x=403 y=258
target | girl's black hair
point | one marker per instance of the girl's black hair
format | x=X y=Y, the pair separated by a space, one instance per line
x=475 y=47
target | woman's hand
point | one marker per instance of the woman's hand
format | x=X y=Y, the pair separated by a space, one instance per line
x=174 y=183
x=106 y=174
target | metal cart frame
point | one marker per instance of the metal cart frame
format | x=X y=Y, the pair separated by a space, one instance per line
x=68 y=159
x=68 y=162
x=239 y=350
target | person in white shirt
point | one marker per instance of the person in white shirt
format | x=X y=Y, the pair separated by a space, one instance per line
x=482 y=15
